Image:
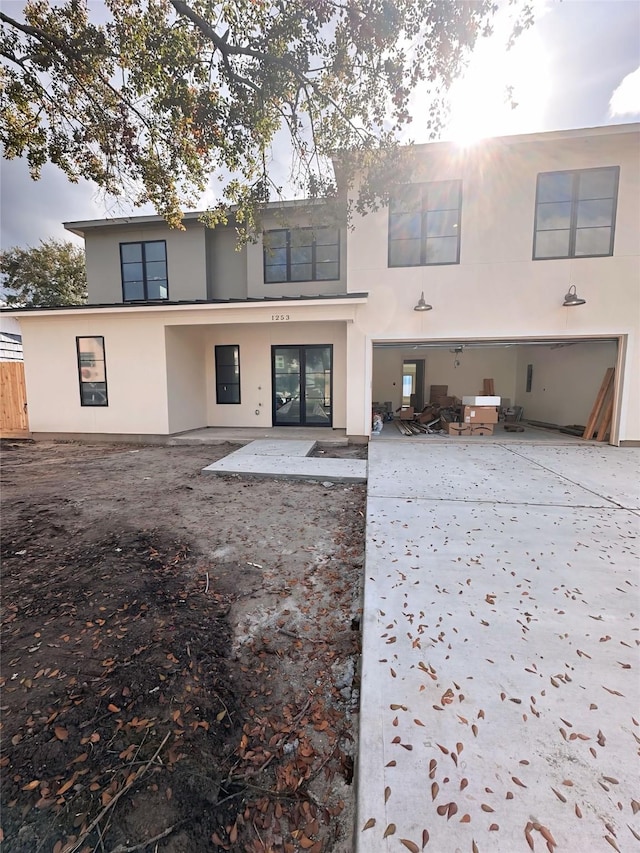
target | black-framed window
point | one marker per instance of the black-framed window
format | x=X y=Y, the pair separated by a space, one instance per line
x=301 y=254
x=575 y=213
x=92 y=371
x=228 y=374
x=144 y=271
x=424 y=224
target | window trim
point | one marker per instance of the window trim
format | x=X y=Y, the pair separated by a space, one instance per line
x=82 y=382
x=220 y=402
x=142 y=244
x=573 y=221
x=423 y=235
x=287 y=231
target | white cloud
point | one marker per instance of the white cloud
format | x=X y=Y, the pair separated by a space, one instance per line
x=625 y=100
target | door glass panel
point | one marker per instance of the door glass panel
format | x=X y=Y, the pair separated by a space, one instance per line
x=317 y=385
x=302 y=385
x=286 y=385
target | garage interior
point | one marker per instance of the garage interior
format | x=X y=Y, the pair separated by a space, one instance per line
x=550 y=384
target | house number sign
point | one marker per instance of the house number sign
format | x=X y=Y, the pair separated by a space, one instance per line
x=280 y=317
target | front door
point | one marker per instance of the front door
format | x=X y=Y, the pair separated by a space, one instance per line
x=302 y=385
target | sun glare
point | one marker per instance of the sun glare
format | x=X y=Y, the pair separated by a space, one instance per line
x=501 y=91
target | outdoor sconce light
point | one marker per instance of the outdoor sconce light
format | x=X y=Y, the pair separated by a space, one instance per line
x=572 y=298
x=422 y=305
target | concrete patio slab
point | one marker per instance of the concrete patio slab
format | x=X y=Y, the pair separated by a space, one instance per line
x=243 y=435
x=500 y=693
x=266 y=447
x=292 y=468
x=471 y=472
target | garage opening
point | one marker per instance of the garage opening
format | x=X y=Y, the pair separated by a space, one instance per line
x=543 y=385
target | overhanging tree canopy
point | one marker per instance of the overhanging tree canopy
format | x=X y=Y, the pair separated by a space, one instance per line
x=159 y=95
x=52 y=273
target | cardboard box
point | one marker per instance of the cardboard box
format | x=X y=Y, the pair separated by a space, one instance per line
x=437 y=391
x=481 y=401
x=407 y=414
x=480 y=415
x=458 y=429
x=481 y=429
x=445 y=402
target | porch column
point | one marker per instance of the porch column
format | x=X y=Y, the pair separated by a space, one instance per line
x=358 y=420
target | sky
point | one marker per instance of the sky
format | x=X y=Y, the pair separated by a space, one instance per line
x=577 y=66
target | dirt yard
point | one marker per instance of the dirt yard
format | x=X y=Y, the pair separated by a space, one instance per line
x=180 y=654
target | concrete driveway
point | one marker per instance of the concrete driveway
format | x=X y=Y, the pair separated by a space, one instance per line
x=500 y=689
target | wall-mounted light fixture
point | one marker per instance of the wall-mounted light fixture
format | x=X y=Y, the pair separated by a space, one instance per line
x=422 y=305
x=572 y=298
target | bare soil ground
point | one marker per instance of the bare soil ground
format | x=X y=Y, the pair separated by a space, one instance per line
x=180 y=654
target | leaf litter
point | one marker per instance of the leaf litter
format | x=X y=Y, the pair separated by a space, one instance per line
x=132 y=711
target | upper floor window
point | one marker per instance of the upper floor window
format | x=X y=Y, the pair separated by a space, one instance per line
x=424 y=224
x=144 y=270
x=575 y=213
x=92 y=371
x=302 y=254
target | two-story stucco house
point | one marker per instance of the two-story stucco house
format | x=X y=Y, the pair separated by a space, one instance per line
x=315 y=322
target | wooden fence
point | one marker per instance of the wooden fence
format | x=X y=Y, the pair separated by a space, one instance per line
x=14 y=422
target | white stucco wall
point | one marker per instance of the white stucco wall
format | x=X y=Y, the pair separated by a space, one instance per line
x=160 y=364
x=135 y=365
x=497 y=291
x=255 y=344
x=186 y=377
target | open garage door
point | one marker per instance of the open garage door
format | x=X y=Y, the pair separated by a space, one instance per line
x=552 y=384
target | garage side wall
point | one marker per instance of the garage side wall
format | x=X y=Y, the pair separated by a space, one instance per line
x=135 y=365
x=565 y=380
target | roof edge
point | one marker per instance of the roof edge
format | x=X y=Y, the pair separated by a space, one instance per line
x=185 y=305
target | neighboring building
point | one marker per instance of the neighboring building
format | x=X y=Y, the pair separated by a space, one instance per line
x=314 y=323
x=10 y=339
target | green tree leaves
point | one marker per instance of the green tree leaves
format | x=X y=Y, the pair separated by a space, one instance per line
x=50 y=274
x=156 y=96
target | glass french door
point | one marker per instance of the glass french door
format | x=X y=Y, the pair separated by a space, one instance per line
x=302 y=380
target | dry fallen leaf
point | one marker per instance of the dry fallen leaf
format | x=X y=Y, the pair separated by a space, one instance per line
x=425 y=838
x=410 y=845
x=390 y=830
x=371 y=822
x=61 y=733
x=31 y=786
x=387 y=793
